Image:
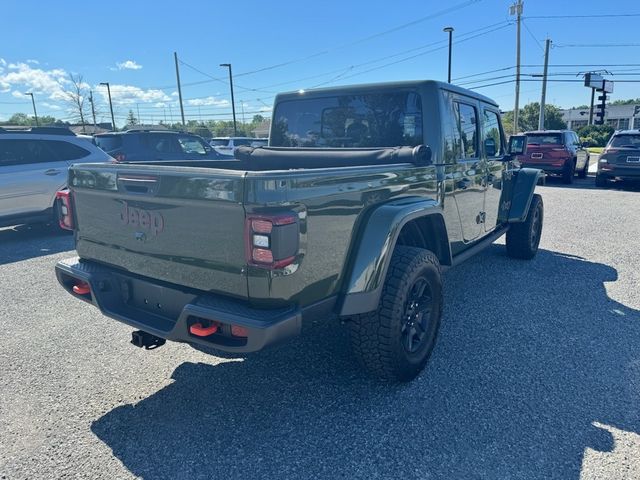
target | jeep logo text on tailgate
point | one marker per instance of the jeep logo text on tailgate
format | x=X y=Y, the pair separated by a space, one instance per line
x=138 y=217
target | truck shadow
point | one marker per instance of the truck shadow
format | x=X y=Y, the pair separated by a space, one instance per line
x=23 y=242
x=530 y=355
x=589 y=183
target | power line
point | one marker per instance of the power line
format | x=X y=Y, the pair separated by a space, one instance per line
x=533 y=36
x=612 y=15
x=596 y=45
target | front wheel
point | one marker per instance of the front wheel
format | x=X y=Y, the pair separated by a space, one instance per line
x=523 y=238
x=394 y=341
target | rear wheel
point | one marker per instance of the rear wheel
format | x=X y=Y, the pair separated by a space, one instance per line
x=523 y=238
x=394 y=341
x=569 y=171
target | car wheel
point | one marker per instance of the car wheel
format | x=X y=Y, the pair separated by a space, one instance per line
x=569 y=171
x=583 y=173
x=394 y=341
x=523 y=239
x=602 y=181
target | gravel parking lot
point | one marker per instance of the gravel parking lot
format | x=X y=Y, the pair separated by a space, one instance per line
x=536 y=374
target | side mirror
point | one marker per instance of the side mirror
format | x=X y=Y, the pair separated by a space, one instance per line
x=422 y=155
x=490 y=147
x=517 y=145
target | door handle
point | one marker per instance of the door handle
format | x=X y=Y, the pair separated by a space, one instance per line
x=52 y=171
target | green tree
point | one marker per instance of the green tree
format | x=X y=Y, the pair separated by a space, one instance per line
x=528 y=118
x=24 y=120
x=131 y=119
x=631 y=101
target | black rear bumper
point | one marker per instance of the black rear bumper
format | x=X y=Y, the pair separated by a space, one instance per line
x=167 y=310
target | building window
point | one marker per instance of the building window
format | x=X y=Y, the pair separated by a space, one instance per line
x=578 y=124
x=613 y=122
x=623 y=124
x=636 y=123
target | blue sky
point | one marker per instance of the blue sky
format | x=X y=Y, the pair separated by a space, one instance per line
x=131 y=45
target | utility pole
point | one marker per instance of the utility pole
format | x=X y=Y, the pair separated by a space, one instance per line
x=544 y=84
x=93 y=110
x=593 y=97
x=113 y=120
x=242 y=108
x=33 y=102
x=233 y=103
x=175 y=57
x=449 y=30
x=516 y=9
x=138 y=110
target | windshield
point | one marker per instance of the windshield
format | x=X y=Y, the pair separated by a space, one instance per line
x=362 y=120
x=625 y=141
x=544 y=138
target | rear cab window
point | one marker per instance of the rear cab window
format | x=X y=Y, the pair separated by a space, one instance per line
x=625 y=141
x=359 y=120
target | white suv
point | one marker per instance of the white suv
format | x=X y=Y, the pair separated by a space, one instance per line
x=33 y=167
x=228 y=145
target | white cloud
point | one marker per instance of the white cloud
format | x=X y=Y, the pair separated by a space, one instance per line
x=128 y=65
x=32 y=61
x=17 y=94
x=199 y=102
x=129 y=95
x=51 y=106
x=49 y=83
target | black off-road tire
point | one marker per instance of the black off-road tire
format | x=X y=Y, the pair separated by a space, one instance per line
x=523 y=238
x=583 y=173
x=394 y=341
x=601 y=181
x=569 y=172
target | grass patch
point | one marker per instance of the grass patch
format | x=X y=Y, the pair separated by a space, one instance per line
x=595 y=149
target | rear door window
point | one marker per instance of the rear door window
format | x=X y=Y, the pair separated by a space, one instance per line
x=161 y=143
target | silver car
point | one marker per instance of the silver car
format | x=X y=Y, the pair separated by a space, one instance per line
x=33 y=167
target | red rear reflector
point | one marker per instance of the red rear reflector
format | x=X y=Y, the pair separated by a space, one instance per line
x=261 y=226
x=262 y=255
x=198 y=330
x=238 y=331
x=81 y=288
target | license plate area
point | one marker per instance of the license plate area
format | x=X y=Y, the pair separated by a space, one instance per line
x=633 y=159
x=536 y=156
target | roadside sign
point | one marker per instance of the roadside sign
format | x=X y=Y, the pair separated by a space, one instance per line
x=593 y=80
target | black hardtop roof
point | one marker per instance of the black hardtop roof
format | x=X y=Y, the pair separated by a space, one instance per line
x=409 y=84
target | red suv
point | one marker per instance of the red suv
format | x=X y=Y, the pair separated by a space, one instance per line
x=556 y=152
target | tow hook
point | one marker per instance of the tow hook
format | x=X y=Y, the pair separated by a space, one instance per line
x=146 y=340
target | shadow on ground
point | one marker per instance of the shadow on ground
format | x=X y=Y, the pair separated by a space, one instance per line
x=590 y=184
x=529 y=356
x=23 y=242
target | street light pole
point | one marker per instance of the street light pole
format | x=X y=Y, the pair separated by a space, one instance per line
x=233 y=103
x=516 y=9
x=113 y=120
x=449 y=30
x=33 y=102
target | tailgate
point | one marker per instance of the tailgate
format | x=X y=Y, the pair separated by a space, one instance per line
x=183 y=225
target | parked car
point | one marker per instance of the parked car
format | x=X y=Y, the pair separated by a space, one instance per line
x=140 y=146
x=620 y=159
x=227 y=145
x=356 y=222
x=557 y=152
x=33 y=167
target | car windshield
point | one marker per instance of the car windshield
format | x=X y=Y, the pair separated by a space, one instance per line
x=544 y=138
x=359 y=120
x=625 y=141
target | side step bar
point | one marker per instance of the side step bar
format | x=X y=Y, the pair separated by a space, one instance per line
x=481 y=245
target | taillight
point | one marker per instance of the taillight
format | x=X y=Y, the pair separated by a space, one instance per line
x=65 y=210
x=272 y=241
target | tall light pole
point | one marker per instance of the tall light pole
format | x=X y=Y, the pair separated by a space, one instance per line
x=516 y=9
x=449 y=30
x=33 y=102
x=113 y=119
x=233 y=103
x=543 y=98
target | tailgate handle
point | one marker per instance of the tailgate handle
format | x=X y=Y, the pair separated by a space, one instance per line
x=142 y=184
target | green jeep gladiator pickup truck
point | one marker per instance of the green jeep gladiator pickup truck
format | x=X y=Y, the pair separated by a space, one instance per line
x=363 y=197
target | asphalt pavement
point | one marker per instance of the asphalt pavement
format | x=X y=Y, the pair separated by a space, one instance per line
x=536 y=374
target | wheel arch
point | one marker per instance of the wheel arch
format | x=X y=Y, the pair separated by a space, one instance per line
x=411 y=222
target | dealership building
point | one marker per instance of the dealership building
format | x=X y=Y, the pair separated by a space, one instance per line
x=620 y=117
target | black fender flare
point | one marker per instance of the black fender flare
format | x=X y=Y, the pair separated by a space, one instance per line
x=517 y=194
x=374 y=247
